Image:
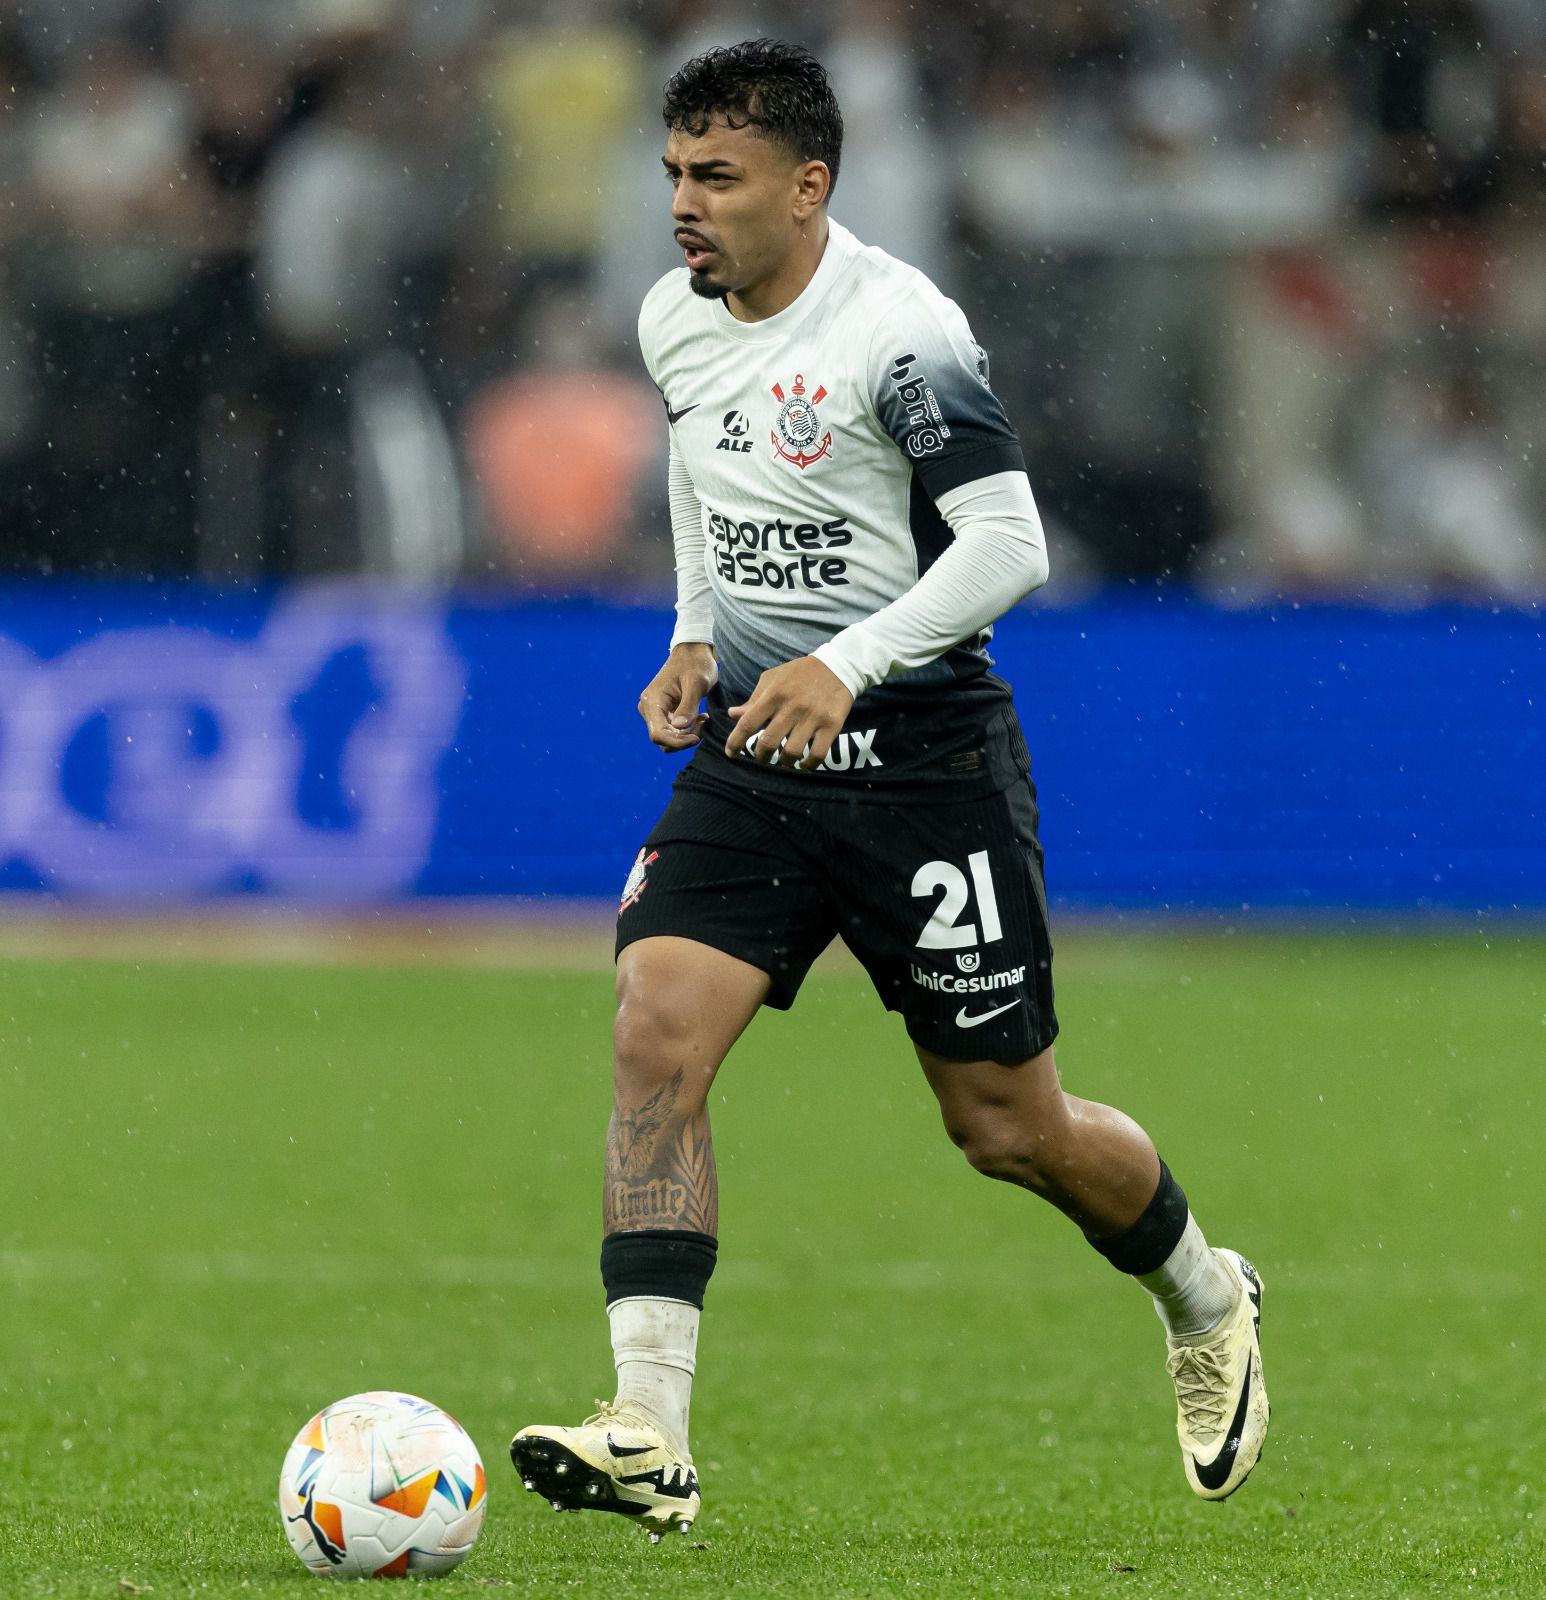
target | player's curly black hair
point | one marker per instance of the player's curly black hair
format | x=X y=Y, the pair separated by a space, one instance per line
x=778 y=88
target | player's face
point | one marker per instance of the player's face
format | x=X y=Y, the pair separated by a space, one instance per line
x=739 y=202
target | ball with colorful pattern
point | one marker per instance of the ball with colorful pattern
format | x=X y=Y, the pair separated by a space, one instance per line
x=382 y=1485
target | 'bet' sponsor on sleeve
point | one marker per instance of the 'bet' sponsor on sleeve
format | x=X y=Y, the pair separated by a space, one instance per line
x=927 y=431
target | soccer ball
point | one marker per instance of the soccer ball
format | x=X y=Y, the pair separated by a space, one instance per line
x=382 y=1485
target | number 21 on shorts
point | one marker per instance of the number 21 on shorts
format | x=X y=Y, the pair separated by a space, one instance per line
x=943 y=930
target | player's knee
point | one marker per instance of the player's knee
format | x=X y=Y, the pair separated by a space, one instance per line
x=1000 y=1145
x=658 y=1050
x=646 y=1036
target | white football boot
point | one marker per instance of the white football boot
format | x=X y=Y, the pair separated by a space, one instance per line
x=1221 y=1400
x=621 y=1459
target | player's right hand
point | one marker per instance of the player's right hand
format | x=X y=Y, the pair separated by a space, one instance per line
x=671 y=700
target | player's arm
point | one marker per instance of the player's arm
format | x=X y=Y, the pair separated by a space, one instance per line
x=795 y=713
x=998 y=556
x=929 y=390
x=672 y=698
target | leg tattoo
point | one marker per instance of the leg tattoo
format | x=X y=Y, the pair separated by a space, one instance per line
x=660 y=1167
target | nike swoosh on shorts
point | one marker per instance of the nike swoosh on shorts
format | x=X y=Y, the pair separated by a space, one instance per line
x=964 y=1021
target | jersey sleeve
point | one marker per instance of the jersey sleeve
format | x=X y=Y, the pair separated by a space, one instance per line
x=929 y=388
x=997 y=557
x=649 y=321
x=694 y=609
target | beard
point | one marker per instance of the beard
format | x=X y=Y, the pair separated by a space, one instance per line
x=704 y=287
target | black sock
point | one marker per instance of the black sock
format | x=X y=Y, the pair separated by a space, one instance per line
x=1148 y=1243
x=663 y=1263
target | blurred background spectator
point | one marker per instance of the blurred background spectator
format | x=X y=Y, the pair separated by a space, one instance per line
x=334 y=285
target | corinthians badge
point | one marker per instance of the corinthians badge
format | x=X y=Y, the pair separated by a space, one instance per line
x=798 y=427
x=637 y=882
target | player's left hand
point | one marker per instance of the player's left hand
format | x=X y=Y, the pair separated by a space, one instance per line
x=794 y=714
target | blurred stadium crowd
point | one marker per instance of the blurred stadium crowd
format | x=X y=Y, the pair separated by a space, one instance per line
x=303 y=286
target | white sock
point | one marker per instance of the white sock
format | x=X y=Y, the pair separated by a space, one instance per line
x=1193 y=1291
x=655 y=1345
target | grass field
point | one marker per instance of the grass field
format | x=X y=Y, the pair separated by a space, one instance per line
x=231 y=1194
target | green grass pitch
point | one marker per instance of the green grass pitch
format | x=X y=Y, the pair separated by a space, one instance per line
x=232 y=1194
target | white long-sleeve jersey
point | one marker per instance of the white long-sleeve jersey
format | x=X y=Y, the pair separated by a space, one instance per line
x=844 y=483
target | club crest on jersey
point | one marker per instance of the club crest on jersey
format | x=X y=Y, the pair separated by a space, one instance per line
x=636 y=884
x=798 y=428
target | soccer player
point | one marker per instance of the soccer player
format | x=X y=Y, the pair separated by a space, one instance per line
x=851 y=513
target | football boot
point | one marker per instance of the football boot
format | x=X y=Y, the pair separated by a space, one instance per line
x=620 y=1459
x=1221 y=1400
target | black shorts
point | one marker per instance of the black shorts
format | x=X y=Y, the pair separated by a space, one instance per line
x=942 y=900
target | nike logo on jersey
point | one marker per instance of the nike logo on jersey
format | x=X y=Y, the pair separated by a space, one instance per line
x=964 y=1020
x=674 y=417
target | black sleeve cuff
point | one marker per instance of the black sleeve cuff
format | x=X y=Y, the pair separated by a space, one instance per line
x=944 y=473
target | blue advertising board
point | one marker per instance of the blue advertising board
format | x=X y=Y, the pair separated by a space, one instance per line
x=343 y=743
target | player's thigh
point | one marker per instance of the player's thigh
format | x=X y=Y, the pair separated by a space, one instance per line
x=949 y=917
x=723 y=911
x=681 y=1005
